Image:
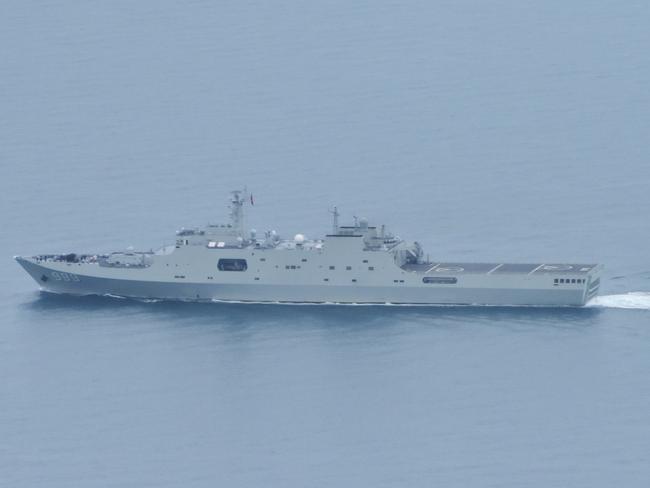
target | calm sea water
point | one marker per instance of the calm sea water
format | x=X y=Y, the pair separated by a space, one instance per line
x=507 y=130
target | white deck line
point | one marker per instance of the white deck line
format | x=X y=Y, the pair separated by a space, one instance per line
x=432 y=267
x=495 y=268
x=538 y=267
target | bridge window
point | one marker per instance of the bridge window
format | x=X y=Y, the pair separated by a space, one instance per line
x=349 y=268
x=440 y=280
x=371 y=268
x=232 y=265
x=332 y=267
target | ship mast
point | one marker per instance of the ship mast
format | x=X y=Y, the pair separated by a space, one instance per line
x=237 y=211
x=335 y=221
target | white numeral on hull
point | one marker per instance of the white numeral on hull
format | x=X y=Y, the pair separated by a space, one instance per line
x=60 y=276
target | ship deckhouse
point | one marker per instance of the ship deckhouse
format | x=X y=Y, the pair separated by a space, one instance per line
x=356 y=238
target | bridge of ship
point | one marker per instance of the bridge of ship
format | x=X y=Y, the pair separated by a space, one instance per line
x=499 y=268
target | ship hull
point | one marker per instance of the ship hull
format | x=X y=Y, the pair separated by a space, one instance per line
x=515 y=292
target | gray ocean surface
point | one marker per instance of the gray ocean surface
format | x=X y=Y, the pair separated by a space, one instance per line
x=509 y=130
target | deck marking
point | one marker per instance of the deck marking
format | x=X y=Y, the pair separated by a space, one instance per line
x=495 y=268
x=557 y=267
x=541 y=265
x=432 y=267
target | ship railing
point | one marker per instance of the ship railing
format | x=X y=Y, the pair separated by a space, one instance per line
x=105 y=263
x=67 y=258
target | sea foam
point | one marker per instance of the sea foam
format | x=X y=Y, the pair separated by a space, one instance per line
x=635 y=300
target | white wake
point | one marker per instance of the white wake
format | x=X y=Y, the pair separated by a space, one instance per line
x=634 y=299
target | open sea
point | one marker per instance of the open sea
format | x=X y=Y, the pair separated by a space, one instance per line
x=511 y=130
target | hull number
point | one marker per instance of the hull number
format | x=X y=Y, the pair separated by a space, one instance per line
x=59 y=276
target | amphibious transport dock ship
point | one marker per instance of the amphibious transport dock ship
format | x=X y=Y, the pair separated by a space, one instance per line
x=360 y=263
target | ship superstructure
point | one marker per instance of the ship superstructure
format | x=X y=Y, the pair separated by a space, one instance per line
x=360 y=263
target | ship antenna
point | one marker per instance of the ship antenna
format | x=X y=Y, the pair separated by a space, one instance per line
x=335 y=220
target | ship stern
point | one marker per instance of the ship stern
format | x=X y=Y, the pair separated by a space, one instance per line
x=593 y=284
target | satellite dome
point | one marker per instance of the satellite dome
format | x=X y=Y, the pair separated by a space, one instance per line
x=299 y=238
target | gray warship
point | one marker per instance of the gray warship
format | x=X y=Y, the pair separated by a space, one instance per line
x=355 y=264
